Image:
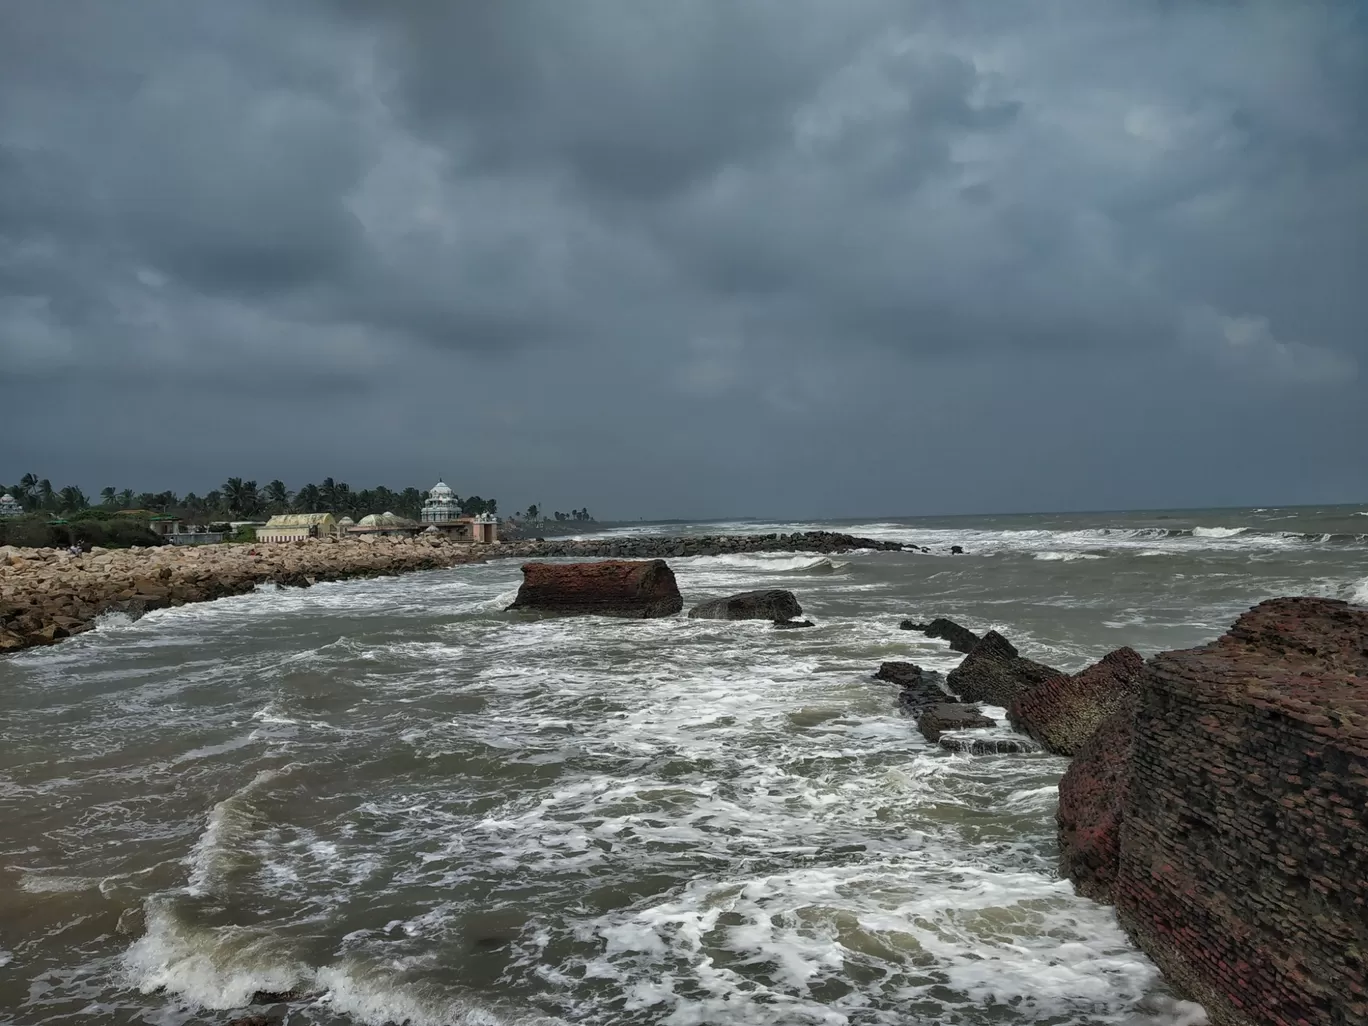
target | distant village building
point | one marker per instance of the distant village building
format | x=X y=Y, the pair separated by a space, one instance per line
x=385 y=524
x=9 y=506
x=158 y=523
x=290 y=527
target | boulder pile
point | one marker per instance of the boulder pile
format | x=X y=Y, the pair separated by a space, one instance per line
x=49 y=594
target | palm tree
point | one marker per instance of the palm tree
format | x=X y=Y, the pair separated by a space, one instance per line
x=308 y=499
x=125 y=498
x=28 y=490
x=409 y=503
x=46 y=496
x=213 y=501
x=241 y=496
x=278 y=496
x=71 y=499
x=108 y=496
x=327 y=494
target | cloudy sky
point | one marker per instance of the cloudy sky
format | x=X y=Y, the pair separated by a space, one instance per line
x=668 y=258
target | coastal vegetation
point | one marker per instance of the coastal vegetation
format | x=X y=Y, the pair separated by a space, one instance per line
x=237 y=499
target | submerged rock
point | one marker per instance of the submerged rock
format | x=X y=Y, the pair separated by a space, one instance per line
x=1063 y=712
x=988 y=745
x=943 y=716
x=995 y=674
x=792 y=625
x=774 y=604
x=636 y=590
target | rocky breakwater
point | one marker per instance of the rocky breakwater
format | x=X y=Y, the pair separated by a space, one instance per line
x=48 y=594
x=1223 y=810
x=662 y=547
x=633 y=589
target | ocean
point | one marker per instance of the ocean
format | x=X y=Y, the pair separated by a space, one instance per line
x=395 y=796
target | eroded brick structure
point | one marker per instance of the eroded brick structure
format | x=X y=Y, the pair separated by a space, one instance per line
x=1242 y=867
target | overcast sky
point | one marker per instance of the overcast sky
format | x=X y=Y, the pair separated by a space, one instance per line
x=665 y=258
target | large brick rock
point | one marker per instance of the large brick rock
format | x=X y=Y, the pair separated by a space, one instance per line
x=1242 y=862
x=634 y=589
x=1092 y=799
x=1063 y=712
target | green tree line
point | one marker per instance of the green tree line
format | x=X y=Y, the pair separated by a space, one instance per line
x=236 y=499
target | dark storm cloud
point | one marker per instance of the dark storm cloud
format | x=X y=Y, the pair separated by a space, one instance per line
x=715 y=257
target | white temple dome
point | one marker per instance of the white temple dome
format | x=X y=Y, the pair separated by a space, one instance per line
x=440 y=491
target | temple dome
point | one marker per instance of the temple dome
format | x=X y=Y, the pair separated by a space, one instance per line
x=441 y=491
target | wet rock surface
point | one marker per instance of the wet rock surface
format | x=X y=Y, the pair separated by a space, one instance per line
x=993 y=673
x=935 y=720
x=1063 y=712
x=631 y=589
x=987 y=745
x=774 y=604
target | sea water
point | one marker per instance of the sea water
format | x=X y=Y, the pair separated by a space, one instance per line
x=396 y=797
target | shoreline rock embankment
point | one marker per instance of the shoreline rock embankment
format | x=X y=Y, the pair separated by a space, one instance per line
x=49 y=594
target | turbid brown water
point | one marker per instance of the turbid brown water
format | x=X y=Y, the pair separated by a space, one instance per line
x=395 y=795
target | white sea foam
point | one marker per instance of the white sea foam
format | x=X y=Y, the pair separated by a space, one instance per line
x=1218 y=532
x=1359 y=596
x=1065 y=557
x=212 y=968
x=44 y=883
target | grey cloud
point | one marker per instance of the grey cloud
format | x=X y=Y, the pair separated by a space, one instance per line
x=828 y=255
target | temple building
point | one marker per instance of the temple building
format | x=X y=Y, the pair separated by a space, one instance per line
x=442 y=511
x=440 y=507
x=10 y=507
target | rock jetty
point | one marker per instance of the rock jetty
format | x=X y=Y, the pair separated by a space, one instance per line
x=775 y=604
x=49 y=594
x=662 y=547
x=637 y=590
x=1223 y=815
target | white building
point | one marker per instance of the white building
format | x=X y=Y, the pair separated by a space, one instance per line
x=441 y=510
x=440 y=506
x=9 y=506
